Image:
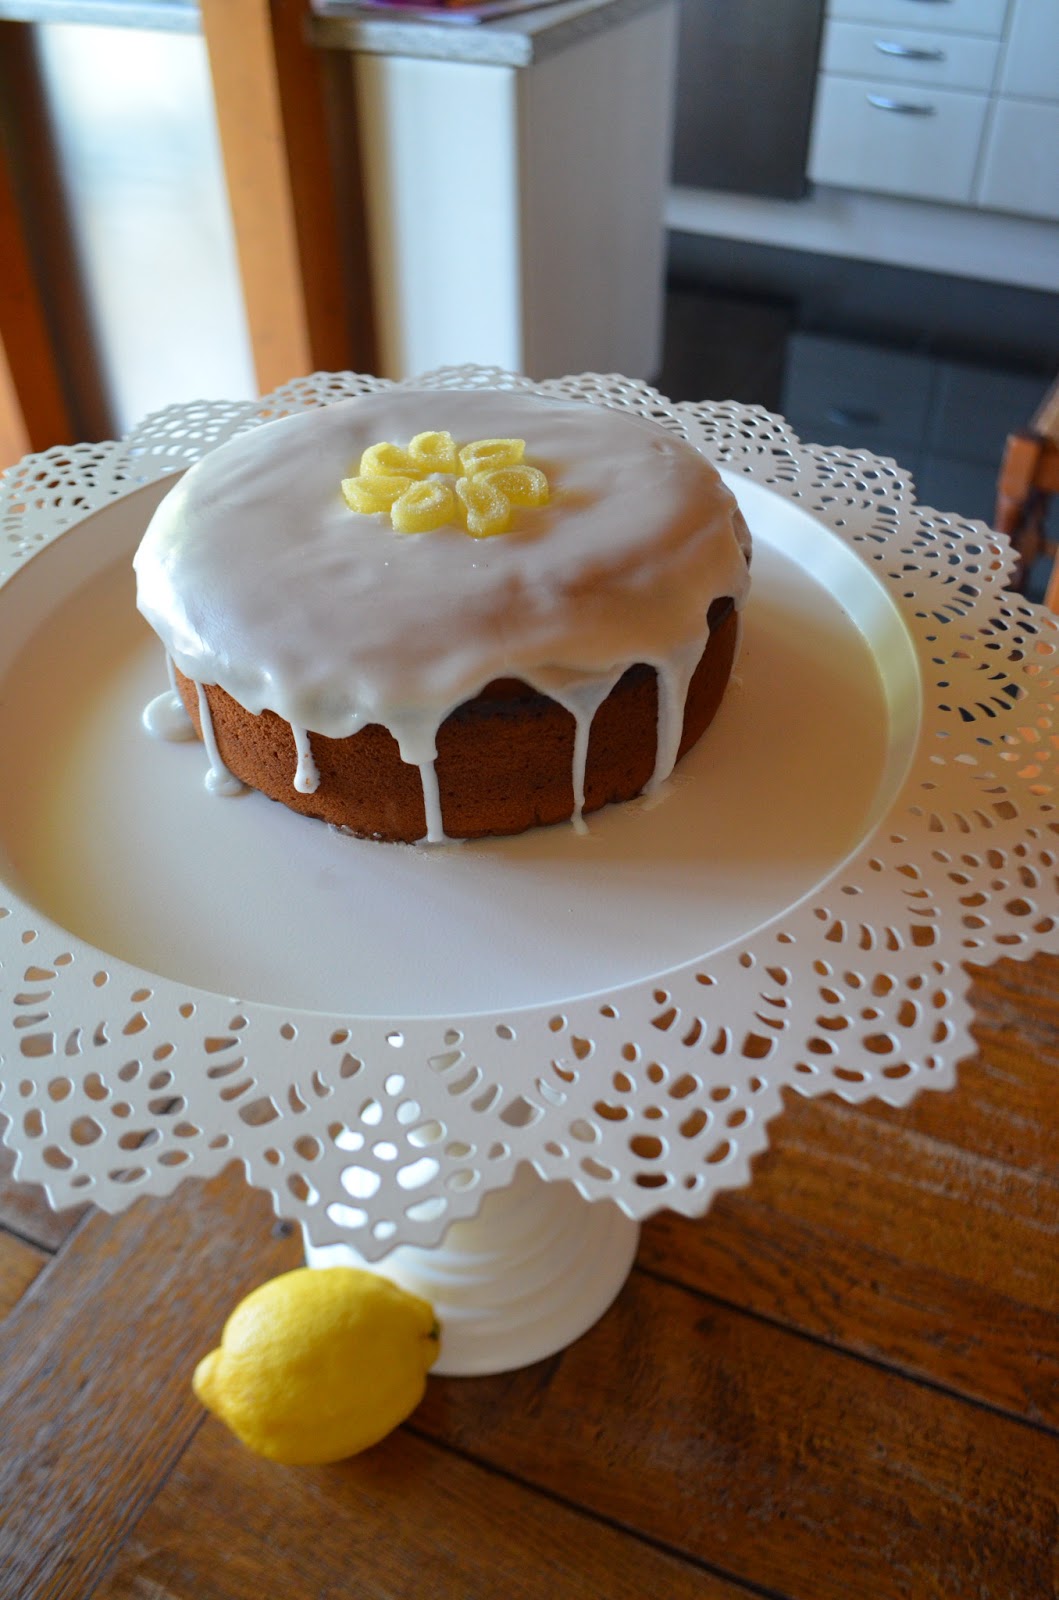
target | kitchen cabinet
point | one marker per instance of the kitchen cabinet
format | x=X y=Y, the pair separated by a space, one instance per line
x=1031 y=60
x=944 y=422
x=515 y=185
x=1020 y=171
x=871 y=134
x=957 y=16
x=955 y=101
x=845 y=392
x=910 y=56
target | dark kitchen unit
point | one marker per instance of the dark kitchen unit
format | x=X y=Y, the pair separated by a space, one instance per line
x=745 y=84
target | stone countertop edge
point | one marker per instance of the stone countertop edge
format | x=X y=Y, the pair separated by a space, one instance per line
x=512 y=41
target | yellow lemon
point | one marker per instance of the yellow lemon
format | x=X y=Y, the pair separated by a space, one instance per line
x=319 y=1363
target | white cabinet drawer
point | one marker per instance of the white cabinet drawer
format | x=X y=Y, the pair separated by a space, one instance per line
x=870 y=134
x=1020 y=172
x=907 y=55
x=958 y=16
x=1031 y=60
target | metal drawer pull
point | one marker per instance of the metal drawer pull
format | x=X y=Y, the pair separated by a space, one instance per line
x=853 y=416
x=882 y=103
x=907 y=52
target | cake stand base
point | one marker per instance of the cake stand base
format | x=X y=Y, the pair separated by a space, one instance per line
x=529 y=1274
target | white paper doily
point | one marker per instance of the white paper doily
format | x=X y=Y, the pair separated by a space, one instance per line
x=384 y=1130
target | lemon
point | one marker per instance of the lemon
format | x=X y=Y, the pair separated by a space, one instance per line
x=319 y=1363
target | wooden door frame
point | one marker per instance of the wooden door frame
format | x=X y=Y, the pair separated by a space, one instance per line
x=288 y=138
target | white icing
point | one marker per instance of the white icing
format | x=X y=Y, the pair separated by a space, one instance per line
x=258 y=577
x=306 y=777
x=674 y=675
x=582 y=700
x=165 y=718
x=218 y=779
x=435 y=833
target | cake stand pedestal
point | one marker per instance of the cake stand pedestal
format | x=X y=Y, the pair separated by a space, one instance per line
x=481 y=1066
x=535 y=1269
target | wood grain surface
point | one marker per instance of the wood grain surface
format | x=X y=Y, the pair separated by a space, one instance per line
x=270 y=92
x=842 y=1382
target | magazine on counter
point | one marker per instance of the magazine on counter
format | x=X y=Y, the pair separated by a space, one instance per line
x=458 y=11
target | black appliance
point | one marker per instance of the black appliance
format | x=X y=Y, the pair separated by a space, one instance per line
x=746 y=77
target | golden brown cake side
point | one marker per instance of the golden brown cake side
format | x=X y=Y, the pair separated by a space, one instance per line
x=505 y=757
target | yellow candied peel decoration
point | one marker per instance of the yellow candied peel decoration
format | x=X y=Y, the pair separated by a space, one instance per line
x=488 y=478
x=434 y=452
x=423 y=507
x=483 y=455
x=374 y=491
x=486 y=509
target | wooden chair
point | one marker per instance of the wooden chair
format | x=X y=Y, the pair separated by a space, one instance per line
x=1029 y=473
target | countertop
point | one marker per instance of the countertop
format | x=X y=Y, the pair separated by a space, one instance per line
x=843 y=1381
x=514 y=41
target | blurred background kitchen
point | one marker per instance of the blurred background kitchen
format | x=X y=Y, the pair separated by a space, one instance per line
x=843 y=210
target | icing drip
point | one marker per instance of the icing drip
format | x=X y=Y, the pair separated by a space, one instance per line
x=164 y=717
x=674 y=676
x=218 y=779
x=307 y=777
x=435 y=833
x=582 y=701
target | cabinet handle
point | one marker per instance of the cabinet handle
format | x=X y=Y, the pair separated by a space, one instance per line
x=907 y=52
x=853 y=416
x=882 y=102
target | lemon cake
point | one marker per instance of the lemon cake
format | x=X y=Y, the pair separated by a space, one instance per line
x=437 y=614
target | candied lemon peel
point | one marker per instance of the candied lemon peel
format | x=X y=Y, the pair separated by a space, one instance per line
x=487 y=479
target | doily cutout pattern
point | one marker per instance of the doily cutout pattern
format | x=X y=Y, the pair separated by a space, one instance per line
x=378 y=1132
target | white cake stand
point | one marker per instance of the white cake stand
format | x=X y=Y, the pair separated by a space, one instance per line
x=482 y=1065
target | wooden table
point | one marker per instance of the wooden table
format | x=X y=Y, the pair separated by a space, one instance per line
x=843 y=1382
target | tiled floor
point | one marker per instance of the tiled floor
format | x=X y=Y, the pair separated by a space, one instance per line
x=931 y=371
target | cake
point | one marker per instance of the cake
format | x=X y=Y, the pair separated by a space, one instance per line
x=426 y=614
